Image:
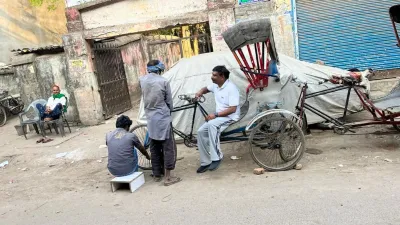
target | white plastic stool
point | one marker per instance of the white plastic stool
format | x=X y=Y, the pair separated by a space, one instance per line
x=135 y=181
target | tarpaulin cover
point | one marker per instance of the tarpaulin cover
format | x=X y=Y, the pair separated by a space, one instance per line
x=190 y=75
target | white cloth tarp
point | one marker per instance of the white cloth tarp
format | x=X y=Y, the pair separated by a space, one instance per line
x=190 y=75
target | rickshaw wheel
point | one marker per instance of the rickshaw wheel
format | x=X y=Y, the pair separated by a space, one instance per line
x=277 y=144
x=395 y=126
x=141 y=132
x=3 y=116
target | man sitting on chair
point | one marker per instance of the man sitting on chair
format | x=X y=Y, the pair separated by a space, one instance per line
x=227 y=111
x=54 y=107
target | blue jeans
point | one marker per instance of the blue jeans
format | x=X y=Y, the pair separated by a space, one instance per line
x=135 y=167
x=55 y=114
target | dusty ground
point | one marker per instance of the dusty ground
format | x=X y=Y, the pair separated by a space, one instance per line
x=355 y=180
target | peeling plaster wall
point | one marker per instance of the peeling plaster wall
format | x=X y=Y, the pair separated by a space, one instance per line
x=126 y=12
x=30 y=88
x=37 y=77
x=220 y=21
x=24 y=26
x=135 y=58
x=82 y=79
x=10 y=82
x=280 y=13
x=135 y=62
x=50 y=70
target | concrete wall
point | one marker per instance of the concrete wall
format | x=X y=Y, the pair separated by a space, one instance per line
x=38 y=75
x=126 y=12
x=135 y=60
x=50 y=70
x=82 y=79
x=10 y=82
x=135 y=56
x=279 y=11
x=24 y=26
x=30 y=89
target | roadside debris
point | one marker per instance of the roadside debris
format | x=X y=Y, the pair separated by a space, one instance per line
x=102 y=146
x=340 y=165
x=388 y=160
x=235 y=157
x=51 y=165
x=25 y=169
x=58 y=146
x=298 y=166
x=258 y=171
x=100 y=161
x=4 y=164
x=61 y=155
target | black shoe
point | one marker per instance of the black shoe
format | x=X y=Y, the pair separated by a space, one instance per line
x=214 y=165
x=203 y=169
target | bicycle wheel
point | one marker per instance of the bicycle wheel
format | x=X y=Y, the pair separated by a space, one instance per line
x=3 y=116
x=277 y=144
x=141 y=132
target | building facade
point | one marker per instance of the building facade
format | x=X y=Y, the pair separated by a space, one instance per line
x=95 y=30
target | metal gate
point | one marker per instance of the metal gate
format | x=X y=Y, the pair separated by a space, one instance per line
x=347 y=33
x=111 y=77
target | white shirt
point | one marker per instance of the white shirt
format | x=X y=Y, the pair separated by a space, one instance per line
x=225 y=97
x=53 y=102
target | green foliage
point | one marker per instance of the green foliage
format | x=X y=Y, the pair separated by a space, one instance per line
x=51 y=4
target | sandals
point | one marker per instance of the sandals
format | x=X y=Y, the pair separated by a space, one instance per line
x=40 y=140
x=157 y=179
x=47 y=140
x=173 y=180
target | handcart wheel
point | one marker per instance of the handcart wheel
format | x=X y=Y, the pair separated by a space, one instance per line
x=3 y=116
x=141 y=132
x=277 y=144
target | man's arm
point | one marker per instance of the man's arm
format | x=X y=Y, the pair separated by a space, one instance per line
x=168 y=97
x=143 y=151
x=141 y=148
x=224 y=113
x=202 y=91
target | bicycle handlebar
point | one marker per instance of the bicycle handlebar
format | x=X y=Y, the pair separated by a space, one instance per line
x=192 y=100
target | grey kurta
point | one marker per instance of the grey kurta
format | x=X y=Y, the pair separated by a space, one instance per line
x=157 y=101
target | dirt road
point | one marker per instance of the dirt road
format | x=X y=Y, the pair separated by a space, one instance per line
x=354 y=180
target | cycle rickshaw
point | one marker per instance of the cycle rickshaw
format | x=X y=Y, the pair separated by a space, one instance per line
x=275 y=138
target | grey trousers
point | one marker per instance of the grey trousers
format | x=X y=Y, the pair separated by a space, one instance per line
x=163 y=155
x=208 y=139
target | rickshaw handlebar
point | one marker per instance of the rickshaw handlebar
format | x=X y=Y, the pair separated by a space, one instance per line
x=192 y=99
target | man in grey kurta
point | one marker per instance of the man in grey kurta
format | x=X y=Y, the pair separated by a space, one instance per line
x=157 y=101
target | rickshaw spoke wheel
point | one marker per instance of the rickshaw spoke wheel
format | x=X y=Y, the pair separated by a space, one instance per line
x=277 y=144
x=141 y=132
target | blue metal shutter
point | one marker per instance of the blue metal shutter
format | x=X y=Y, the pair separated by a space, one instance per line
x=347 y=33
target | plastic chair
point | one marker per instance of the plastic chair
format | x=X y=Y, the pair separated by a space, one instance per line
x=31 y=115
x=59 y=123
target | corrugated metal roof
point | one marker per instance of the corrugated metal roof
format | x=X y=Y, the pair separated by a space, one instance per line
x=40 y=50
x=347 y=33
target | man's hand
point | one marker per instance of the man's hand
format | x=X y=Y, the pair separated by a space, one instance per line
x=148 y=157
x=210 y=117
x=198 y=95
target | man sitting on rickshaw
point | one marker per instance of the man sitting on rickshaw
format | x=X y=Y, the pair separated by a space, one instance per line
x=227 y=111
